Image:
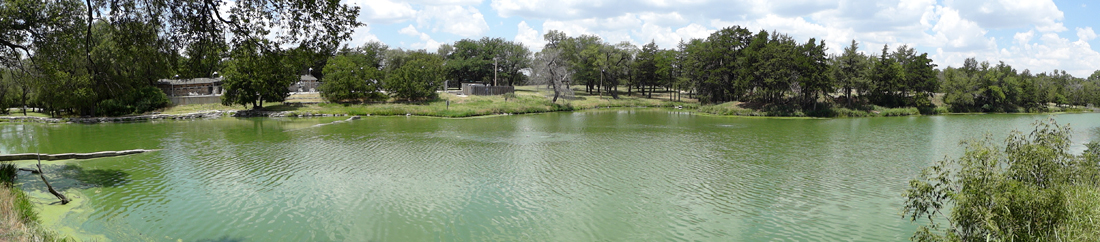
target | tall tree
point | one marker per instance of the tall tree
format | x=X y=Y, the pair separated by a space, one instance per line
x=355 y=74
x=257 y=73
x=645 y=68
x=851 y=69
x=417 y=76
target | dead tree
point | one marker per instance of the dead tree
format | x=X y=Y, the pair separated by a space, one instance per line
x=551 y=69
x=41 y=174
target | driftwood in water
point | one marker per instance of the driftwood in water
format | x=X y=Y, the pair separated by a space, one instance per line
x=64 y=200
x=333 y=122
x=66 y=156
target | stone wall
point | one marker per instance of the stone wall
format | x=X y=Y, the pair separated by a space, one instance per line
x=184 y=100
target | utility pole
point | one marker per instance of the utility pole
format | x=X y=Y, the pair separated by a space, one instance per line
x=494 y=71
x=601 y=82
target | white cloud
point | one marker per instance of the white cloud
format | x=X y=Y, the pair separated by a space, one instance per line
x=529 y=37
x=578 y=9
x=1050 y=52
x=795 y=8
x=996 y=14
x=1023 y=38
x=383 y=11
x=666 y=38
x=664 y=19
x=409 y=31
x=1086 y=34
x=448 y=2
x=954 y=33
x=427 y=43
x=569 y=28
x=362 y=35
x=455 y=19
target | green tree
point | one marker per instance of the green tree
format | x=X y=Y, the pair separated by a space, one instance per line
x=645 y=67
x=415 y=77
x=886 y=80
x=851 y=68
x=355 y=74
x=486 y=60
x=256 y=73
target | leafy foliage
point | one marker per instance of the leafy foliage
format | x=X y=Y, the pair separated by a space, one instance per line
x=473 y=61
x=981 y=87
x=414 y=75
x=257 y=73
x=1015 y=194
x=355 y=74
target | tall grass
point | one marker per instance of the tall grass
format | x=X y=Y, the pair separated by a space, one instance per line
x=1083 y=208
x=18 y=220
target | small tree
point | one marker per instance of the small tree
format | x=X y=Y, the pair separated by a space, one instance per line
x=256 y=74
x=1018 y=194
x=417 y=77
x=354 y=74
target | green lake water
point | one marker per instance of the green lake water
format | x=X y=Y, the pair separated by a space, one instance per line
x=619 y=175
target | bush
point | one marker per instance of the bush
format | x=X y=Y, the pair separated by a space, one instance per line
x=417 y=78
x=1024 y=192
x=136 y=102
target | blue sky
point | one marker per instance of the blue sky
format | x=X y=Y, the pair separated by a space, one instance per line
x=1038 y=35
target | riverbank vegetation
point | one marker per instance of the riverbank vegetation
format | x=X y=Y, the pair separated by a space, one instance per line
x=18 y=220
x=1031 y=189
x=526 y=99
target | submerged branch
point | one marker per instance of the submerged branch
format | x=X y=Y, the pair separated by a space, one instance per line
x=64 y=200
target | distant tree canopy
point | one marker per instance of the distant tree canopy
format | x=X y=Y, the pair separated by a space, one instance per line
x=770 y=68
x=373 y=72
x=981 y=87
x=473 y=61
x=91 y=57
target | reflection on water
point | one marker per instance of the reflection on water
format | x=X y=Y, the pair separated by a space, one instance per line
x=612 y=175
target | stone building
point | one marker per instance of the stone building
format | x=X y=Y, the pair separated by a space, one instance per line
x=306 y=83
x=191 y=87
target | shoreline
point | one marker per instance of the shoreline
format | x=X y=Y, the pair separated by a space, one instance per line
x=216 y=114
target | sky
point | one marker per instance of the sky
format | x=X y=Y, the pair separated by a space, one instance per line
x=1038 y=35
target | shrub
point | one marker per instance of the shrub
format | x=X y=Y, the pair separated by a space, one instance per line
x=1020 y=193
x=135 y=102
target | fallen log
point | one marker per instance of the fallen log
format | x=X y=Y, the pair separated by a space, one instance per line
x=64 y=200
x=67 y=156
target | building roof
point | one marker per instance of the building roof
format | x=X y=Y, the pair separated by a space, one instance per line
x=308 y=78
x=189 y=81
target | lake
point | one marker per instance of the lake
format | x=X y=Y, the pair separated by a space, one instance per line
x=616 y=175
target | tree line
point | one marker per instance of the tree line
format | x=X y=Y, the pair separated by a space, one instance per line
x=61 y=60
x=374 y=72
x=982 y=87
x=735 y=64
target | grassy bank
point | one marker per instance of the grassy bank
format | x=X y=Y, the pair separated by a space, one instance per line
x=18 y=221
x=526 y=99
x=536 y=99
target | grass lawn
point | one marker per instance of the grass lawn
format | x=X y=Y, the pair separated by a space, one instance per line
x=15 y=112
x=526 y=99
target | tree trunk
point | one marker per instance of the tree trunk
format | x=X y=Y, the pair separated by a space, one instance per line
x=64 y=200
